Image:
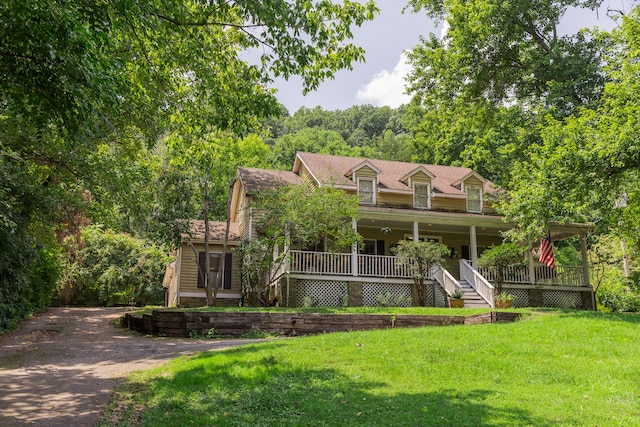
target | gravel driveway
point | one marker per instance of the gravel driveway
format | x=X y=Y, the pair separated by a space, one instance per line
x=58 y=368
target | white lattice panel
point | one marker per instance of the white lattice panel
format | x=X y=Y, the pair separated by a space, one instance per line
x=522 y=297
x=562 y=299
x=397 y=294
x=321 y=293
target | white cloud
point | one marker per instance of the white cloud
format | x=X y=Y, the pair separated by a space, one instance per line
x=387 y=88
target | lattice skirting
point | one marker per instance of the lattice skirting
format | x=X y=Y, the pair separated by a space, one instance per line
x=522 y=297
x=322 y=293
x=386 y=294
x=562 y=299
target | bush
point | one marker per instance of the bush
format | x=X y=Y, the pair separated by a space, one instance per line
x=26 y=288
x=113 y=269
x=616 y=294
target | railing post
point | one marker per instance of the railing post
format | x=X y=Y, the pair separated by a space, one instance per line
x=354 y=250
x=532 y=268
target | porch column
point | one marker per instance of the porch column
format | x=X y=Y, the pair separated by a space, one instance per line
x=532 y=268
x=473 y=246
x=416 y=231
x=585 y=260
x=354 y=250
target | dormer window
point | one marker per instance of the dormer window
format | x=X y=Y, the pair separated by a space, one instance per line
x=421 y=199
x=474 y=199
x=366 y=191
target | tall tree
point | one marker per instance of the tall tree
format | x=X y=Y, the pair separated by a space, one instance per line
x=507 y=51
x=587 y=165
x=77 y=74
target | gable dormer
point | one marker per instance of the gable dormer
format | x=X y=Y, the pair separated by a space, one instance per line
x=420 y=180
x=472 y=184
x=366 y=176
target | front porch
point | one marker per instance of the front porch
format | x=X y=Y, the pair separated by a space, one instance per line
x=340 y=279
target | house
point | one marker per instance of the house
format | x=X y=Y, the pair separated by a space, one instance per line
x=398 y=200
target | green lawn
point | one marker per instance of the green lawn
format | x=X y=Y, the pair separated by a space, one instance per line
x=557 y=368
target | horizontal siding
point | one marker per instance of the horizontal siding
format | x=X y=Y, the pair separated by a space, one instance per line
x=442 y=203
x=365 y=172
x=390 y=199
x=189 y=268
x=420 y=177
x=472 y=181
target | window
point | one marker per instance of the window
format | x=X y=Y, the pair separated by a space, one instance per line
x=215 y=264
x=372 y=247
x=421 y=196
x=474 y=199
x=366 y=191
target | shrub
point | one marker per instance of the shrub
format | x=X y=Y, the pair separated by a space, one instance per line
x=114 y=269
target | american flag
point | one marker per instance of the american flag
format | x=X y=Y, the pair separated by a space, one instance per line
x=546 y=251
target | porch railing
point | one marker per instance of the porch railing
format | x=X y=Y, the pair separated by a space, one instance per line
x=382 y=266
x=320 y=262
x=477 y=282
x=340 y=264
x=561 y=276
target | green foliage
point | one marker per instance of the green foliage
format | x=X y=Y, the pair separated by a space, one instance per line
x=498 y=258
x=505 y=52
x=420 y=256
x=115 y=269
x=389 y=300
x=88 y=87
x=296 y=216
x=457 y=294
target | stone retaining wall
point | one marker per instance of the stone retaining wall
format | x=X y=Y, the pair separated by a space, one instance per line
x=179 y=323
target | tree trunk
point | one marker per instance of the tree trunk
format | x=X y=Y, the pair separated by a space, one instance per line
x=207 y=275
x=224 y=245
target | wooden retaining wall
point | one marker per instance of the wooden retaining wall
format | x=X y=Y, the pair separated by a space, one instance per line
x=182 y=324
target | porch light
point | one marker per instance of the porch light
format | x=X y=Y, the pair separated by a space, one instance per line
x=385 y=230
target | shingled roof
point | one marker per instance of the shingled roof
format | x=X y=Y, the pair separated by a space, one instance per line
x=337 y=169
x=217 y=230
x=254 y=179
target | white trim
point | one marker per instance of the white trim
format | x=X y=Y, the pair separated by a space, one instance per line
x=202 y=294
x=307 y=167
x=423 y=184
x=363 y=164
x=474 y=187
x=373 y=188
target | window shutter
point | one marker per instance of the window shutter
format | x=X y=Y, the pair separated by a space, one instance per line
x=228 y=265
x=201 y=269
x=380 y=247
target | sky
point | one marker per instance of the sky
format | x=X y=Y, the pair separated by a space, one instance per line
x=380 y=80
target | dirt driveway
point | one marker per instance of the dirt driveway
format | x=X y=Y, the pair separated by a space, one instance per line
x=58 y=368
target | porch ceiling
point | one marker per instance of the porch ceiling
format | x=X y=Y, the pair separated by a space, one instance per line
x=427 y=227
x=431 y=221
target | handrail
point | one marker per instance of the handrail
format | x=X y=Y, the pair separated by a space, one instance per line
x=445 y=279
x=320 y=262
x=477 y=282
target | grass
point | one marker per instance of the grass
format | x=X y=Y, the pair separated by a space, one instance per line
x=560 y=368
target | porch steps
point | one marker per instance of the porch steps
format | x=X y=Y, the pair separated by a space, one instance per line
x=471 y=298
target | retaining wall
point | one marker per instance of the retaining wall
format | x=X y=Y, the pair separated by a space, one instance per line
x=179 y=323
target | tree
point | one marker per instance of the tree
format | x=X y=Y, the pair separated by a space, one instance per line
x=420 y=256
x=498 y=258
x=79 y=74
x=293 y=216
x=588 y=163
x=507 y=51
x=310 y=140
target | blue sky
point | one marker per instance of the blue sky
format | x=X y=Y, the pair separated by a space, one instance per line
x=379 y=81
